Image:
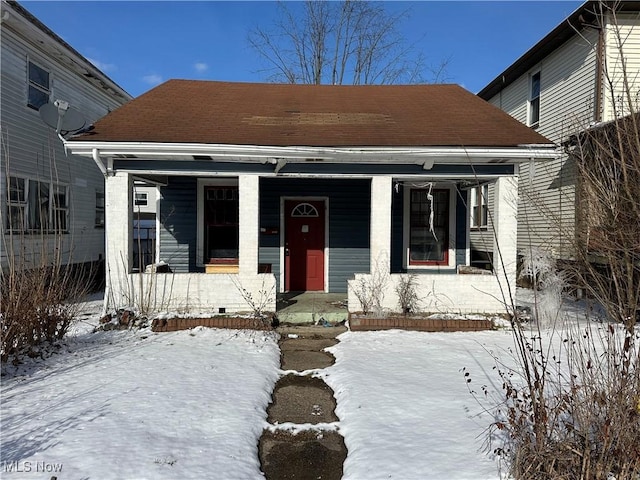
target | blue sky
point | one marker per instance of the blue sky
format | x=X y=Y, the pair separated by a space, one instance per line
x=142 y=44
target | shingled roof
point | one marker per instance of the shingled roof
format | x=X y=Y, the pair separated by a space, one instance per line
x=189 y=111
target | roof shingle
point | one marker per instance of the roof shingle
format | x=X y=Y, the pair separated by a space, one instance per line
x=190 y=111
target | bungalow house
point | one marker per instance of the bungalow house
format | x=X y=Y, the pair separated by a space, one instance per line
x=268 y=188
x=51 y=203
x=570 y=80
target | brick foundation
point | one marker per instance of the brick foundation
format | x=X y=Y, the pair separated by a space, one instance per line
x=175 y=324
x=419 y=324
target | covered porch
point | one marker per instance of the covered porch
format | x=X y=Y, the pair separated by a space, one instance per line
x=231 y=244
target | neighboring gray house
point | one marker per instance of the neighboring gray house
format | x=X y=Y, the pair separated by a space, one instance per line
x=50 y=203
x=268 y=188
x=570 y=80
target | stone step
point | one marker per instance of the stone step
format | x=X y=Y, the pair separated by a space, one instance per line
x=308 y=455
x=301 y=360
x=302 y=399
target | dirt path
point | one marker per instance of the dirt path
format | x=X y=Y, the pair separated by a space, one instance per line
x=303 y=440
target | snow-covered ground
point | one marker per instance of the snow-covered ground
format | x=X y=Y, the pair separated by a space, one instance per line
x=138 y=405
x=191 y=404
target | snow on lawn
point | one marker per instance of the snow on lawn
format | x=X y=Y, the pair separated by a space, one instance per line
x=404 y=407
x=139 y=405
x=191 y=404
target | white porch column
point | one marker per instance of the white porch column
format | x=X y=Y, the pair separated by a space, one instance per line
x=249 y=193
x=118 y=233
x=505 y=223
x=380 y=231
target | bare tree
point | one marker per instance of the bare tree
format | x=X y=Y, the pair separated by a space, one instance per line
x=350 y=41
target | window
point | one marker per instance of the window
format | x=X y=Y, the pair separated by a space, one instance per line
x=221 y=224
x=534 y=100
x=99 y=223
x=37 y=206
x=17 y=204
x=429 y=212
x=39 y=90
x=478 y=206
x=140 y=199
x=60 y=207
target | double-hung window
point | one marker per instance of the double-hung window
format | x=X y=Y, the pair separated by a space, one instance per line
x=37 y=206
x=221 y=224
x=429 y=220
x=39 y=88
x=534 y=100
x=60 y=208
x=17 y=204
x=479 y=196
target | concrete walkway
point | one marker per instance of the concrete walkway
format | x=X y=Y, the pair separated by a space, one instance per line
x=303 y=439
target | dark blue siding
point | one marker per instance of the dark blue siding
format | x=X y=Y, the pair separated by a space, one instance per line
x=349 y=217
x=178 y=224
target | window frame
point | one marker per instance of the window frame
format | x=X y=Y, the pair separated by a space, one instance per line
x=450 y=262
x=202 y=184
x=479 y=199
x=533 y=102
x=33 y=84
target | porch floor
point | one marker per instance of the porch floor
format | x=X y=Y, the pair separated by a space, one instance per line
x=312 y=307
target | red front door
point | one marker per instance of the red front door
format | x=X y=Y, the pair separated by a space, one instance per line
x=304 y=245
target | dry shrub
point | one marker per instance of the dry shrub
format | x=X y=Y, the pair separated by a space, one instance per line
x=37 y=305
x=572 y=407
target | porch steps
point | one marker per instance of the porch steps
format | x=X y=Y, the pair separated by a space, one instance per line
x=312 y=308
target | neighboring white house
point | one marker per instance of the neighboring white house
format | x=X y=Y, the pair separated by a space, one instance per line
x=569 y=81
x=268 y=188
x=50 y=202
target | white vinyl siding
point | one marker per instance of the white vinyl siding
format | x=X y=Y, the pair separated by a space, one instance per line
x=32 y=150
x=625 y=37
x=546 y=208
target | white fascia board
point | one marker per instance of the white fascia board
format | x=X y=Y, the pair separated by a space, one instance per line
x=270 y=154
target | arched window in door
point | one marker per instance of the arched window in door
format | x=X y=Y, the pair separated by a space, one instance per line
x=304 y=210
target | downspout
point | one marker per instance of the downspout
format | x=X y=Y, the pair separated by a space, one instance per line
x=95 y=153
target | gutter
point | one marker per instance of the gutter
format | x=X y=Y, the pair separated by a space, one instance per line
x=273 y=155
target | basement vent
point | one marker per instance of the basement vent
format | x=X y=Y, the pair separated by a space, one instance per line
x=202 y=157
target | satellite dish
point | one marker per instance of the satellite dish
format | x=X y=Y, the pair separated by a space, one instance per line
x=62 y=117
